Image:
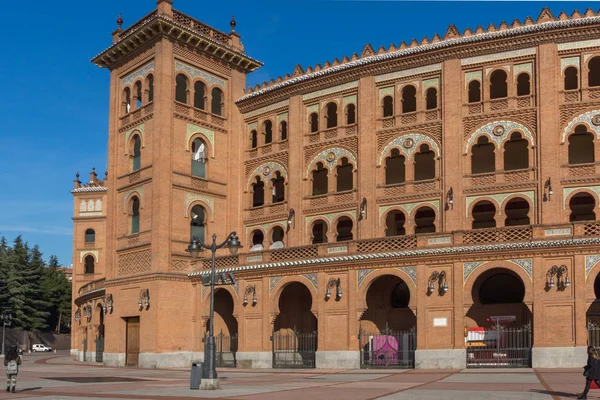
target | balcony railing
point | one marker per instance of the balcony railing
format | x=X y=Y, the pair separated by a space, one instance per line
x=406 y=188
x=500 y=177
x=92 y=286
x=331 y=133
x=498 y=235
x=498 y=105
x=410 y=118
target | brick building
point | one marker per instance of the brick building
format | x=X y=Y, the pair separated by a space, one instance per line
x=431 y=205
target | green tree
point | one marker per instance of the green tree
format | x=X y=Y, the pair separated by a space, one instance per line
x=57 y=291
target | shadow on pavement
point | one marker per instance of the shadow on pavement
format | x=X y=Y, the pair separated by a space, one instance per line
x=553 y=393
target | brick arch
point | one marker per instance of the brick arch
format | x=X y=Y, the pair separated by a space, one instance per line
x=266 y=172
x=568 y=198
x=590 y=278
x=129 y=200
x=518 y=196
x=208 y=142
x=84 y=254
x=385 y=214
x=254 y=229
x=361 y=298
x=492 y=131
x=338 y=152
x=491 y=265
x=312 y=223
x=234 y=295
x=399 y=143
x=429 y=204
x=586 y=119
x=269 y=235
x=275 y=294
x=129 y=140
x=335 y=220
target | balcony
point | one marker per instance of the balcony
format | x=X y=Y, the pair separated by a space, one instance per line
x=199 y=115
x=407 y=188
x=330 y=199
x=268 y=149
x=498 y=105
x=499 y=178
x=134 y=116
x=90 y=291
x=181 y=179
x=412 y=118
x=267 y=211
x=575 y=171
x=331 y=133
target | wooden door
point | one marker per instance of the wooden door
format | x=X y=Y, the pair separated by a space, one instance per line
x=133 y=341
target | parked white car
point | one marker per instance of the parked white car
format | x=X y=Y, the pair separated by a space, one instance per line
x=40 y=347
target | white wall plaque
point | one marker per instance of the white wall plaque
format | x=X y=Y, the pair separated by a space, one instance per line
x=337 y=249
x=253 y=258
x=440 y=322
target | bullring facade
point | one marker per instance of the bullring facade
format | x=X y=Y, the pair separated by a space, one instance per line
x=416 y=206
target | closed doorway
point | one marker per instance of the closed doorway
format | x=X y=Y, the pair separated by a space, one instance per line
x=133 y=341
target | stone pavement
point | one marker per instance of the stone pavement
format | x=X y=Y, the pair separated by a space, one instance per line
x=57 y=376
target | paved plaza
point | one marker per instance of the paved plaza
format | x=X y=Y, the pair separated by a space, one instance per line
x=57 y=376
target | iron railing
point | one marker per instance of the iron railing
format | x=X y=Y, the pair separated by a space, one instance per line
x=294 y=349
x=226 y=347
x=499 y=347
x=388 y=348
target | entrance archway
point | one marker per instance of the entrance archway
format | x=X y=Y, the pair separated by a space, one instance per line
x=295 y=329
x=593 y=313
x=388 y=326
x=225 y=330
x=99 y=326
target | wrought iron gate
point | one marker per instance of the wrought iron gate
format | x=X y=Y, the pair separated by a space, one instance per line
x=593 y=335
x=388 y=348
x=499 y=347
x=225 y=350
x=100 y=348
x=294 y=349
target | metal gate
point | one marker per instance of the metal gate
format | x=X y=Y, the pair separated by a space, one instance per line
x=225 y=350
x=388 y=348
x=593 y=335
x=499 y=347
x=100 y=345
x=294 y=349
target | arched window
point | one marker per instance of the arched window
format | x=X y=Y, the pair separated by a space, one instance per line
x=523 y=84
x=517 y=212
x=314 y=122
x=277 y=235
x=199 y=158
x=388 y=106
x=581 y=146
x=474 y=92
x=594 y=72
x=498 y=86
x=90 y=236
x=394 y=223
x=483 y=158
x=425 y=220
x=283 y=130
x=254 y=139
x=344 y=229
x=258 y=193
x=199 y=94
x=198 y=223
x=331 y=115
x=409 y=99
x=344 y=176
x=126 y=100
x=431 y=99
x=138 y=94
x=424 y=163
x=217 y=102
x=135 y=215
x=268 y=131
x=350 y=114
x=582 y=207
x=320 y=180
x=88 y=264
x=516 y=152
x=181 y=88
x=278 y=188
x=137 y=153
x=150 y=87
x=257 y=240
x=319 y=232
x=571 y=78
x=395 y=168
x=484 y=213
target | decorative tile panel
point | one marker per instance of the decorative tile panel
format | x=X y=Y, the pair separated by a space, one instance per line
x=411 y=271
x=558 y=232
x=591 y=119
x=282 y=117
x=140 y=73
x=413 y=83
x=273 y=281
x=471 y=75
x=526 y=264
x=267 y=172
x=140 y=129
x=527 y=67
x=590 y=262
x=408 y=144
x=192 y=197
x=350 y=100
x=139 y=190
x=569 y=62
x=440 y=240
x=362 y=274
x=409 y=207
x=498 y=132
x=387 y=91
x=568 y=191
x=498 y=56
x=84 y=253
x=433 y=82
x=193 y=129
x=329 y=217
x=469 y=267
x=499 y=199
x=312 y=109
x=330 y=158
x=583 y=44
x=313 y=278
x=266 y=109
x=236 y=288
x=408 y=72
x=504 y=67
x=194 y=73
x=252 y=126
x=335 y=89
x=266 y=227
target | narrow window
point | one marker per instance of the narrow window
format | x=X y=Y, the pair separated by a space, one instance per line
x=126 y=101
x=283 y=130
x=199 y=94
x=523 y=84
x=138 y=94
x=425 y=220
x=571 y=78
x=350 y=114
x=135 y=216
x=278 y=188
x=319 y=232
x=594 y=73
x=581 y=146
x=90 y=236
x=198 y=223
x=483 y=215
x=395 y=168
x=517 y=212
x=137 y=153
x=409 y=99
x=498 y=86
x=254 y=139
x=89 y=264
x=217 y=102
x=344 y=176
x=258 y=193
x=320 y=180
x=150 y=86
x=181 y=88
x=431 y=99
x=388 y=106
x=331 y=115
x=314 y=122
x=268 y=131
x=344 y=229
x=516 y=152
x=199 y=158
x=582 y=207
x=257 y=240
x=424 y=163
x=483 y=158
x=277 y=236
x=394 y=224
x=474 y=92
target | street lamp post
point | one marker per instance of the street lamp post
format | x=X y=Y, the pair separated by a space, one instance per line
x=6 y=318
x=196 y=246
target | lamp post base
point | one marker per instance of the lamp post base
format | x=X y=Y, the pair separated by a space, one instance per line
x=209 y=384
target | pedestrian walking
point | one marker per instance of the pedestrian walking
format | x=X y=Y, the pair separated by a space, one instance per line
x=12 y=360
x=591 y=371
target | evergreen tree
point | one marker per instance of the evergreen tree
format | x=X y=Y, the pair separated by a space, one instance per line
x=4 y=295
x=36 y=304
x=57 y=290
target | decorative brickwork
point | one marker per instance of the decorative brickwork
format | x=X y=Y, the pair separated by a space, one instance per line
x=135 y=262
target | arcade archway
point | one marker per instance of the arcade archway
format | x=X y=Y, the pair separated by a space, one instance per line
x=225 y=330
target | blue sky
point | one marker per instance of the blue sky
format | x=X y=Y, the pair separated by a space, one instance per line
x=54 y=102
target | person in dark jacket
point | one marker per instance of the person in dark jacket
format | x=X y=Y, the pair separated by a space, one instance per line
x=591 y=371
x=12 y=360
